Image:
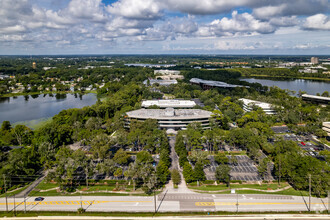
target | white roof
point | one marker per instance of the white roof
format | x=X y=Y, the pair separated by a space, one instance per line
x=161 y=82
x=262 y=105
x=169 y=103
x=213 y=83
x=167 y=72
x=316 y=97
x=169 y=113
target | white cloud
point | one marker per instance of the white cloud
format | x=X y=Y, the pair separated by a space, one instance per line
x=136 y=9
x=317 y=22
x=87 y=9
x=240 y=23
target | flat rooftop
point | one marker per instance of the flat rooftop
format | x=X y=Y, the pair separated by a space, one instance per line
x=169 y=103
x=316 y=97
x=169 y=114
x=262 y=105
x=162 y=82
x=213 y=83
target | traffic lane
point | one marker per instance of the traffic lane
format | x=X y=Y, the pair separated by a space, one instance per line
x=73 y=203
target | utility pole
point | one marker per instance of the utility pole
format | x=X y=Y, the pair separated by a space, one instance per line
x=328 y=201
x=310 y=190
x=80 y=201
x=24 y=203
x=4 y=181
x=237 y=203
x=155 y=201
x=14 y=206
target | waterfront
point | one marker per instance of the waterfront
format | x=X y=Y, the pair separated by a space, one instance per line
x=25 y=108
x=309 y=86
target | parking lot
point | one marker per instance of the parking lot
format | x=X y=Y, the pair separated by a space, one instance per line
x=244 y=170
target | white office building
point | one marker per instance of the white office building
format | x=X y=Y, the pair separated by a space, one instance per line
x=326 y=127
x=171 y=118
x=172 y=103
x=248 y=106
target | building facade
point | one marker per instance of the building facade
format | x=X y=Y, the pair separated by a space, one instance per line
x=170 y=118
x=248 y=105
x=326 y=127
x=171 y=103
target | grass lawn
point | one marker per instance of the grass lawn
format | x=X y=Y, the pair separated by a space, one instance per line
x=271 y=186
x=44 y=185
x=15 y=192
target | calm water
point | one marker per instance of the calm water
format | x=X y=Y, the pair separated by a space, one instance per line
x=25 y=108
x=309 y=86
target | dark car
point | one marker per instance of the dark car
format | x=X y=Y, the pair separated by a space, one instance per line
x=39 y=199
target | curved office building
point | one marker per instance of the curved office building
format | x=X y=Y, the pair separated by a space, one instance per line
x=170 y=118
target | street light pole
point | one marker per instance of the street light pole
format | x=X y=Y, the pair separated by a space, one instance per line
x=4 y=181
x=155 y=201
x=237 y=203
x=310 y=189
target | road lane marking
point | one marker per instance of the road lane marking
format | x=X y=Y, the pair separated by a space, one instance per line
x=251 y=203
x=71 y=202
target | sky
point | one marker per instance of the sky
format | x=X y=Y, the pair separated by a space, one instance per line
x=50 y=27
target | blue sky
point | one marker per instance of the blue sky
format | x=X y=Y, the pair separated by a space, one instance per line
x=35 y=27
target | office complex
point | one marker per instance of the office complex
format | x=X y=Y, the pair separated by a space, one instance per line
x=316 y=99
x=209 y=84
x=248 y=106
x=161 y=82
x=314 y=60
x=173 y=114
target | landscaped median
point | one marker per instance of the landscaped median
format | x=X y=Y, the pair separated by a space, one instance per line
x=263 y=188
x=95 y=188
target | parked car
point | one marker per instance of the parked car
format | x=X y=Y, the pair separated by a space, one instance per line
x=39 y=199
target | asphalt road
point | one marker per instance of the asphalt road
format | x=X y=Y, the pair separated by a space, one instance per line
x=169 y=203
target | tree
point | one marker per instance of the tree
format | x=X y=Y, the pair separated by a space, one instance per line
x=162 y=173
x=199 y=172
x=6 y=126
x=263 y=168
x=199 y=156
x=188 y=173
x=144 y=157
x=176 y=177
x=233 y=160
x=221 y=158
x=22 y=134
x=121 y=157
x=222 y=173
x=118 y=172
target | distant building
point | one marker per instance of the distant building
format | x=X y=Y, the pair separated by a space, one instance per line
x=160 y=82
x=172 y=103
x=34 y=65
x=326 y=127
x=167 y=72
x=170 y=118
x=209 y=84
x=308 y=70
x=316 y=99
x=266 y=107
x=315 y=60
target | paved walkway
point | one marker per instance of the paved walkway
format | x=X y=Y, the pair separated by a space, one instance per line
x=182 y=187
x=26 y=191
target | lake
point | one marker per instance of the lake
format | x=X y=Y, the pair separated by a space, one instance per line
x=310 y=86
x=34 y=107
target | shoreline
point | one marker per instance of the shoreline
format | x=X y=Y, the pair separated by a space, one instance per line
x=8 y=95
x=285 y=78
